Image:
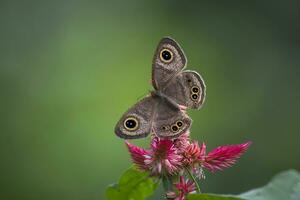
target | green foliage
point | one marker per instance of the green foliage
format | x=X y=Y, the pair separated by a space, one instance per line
x=133 y=185
x=137 y=185
x=285 y=185
x=211 y=197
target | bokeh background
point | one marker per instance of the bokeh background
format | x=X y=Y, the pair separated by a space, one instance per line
x=69 y=69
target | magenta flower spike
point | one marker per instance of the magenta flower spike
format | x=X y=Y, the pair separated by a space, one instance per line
x=138 y=155
x=162 y=159
x=167 y=158
x=185 y=186
x=224 y=156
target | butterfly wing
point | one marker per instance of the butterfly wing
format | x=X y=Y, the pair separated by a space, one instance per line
x=186 y=89
x=169 y=121
x=157 y=113
x=169 y=59
x=136 y=122
x=153 y=114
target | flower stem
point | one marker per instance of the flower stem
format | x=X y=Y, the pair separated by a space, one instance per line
x=193 y=178
x=167 y=183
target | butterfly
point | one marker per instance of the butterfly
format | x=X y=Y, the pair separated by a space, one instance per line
x=162 y=112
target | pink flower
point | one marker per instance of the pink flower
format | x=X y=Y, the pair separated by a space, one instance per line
x=162 y=158
x=193 y=157
x=182 y=142
x=184 y=187
x=223 y=156
x=138 y=155
x=191 y=154
x=202 y=152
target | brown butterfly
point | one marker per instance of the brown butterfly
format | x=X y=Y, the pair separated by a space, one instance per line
x=161 y=111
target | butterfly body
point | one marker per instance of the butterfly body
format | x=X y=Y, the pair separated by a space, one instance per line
x=161 y=111
x=163 y=97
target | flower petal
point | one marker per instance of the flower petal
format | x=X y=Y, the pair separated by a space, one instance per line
x=224 y=156
x=139 y=156
x=185 y=186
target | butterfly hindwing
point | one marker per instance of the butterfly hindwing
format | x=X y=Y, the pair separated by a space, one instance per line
x=153 y=115
x=169 y=121
x=186 y=89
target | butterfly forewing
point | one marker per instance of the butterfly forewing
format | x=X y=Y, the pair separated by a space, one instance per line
x=136 y=122
x=168 y=60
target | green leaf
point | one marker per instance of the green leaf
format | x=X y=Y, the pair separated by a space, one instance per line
x=211 y=197
x=285 y=185
x=133 y=184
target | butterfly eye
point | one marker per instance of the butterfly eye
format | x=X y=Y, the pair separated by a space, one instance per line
x=195 y=89
x=174 y=128
x=131 y=124
x=166 y=55
x=179 y=123
x=194 y=97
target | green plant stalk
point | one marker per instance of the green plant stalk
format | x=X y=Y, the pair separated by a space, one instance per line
x=167 y=183
x=193 y=178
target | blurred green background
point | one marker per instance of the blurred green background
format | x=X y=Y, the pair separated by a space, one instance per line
x=69 y=69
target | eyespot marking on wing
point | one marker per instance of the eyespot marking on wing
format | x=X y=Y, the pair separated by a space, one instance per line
x=195 y=89
x=177 y=126
x=165 y=127
x=174 y=128
x=194 y=97
x=131 y=123
x=166 y=55
x=179 y=123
